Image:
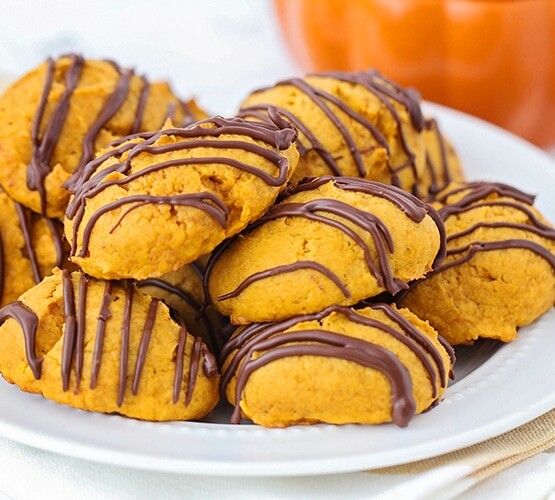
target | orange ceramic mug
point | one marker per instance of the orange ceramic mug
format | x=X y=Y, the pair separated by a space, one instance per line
x=491 y=58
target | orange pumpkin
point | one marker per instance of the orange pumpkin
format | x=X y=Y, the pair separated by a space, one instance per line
x=491 y=58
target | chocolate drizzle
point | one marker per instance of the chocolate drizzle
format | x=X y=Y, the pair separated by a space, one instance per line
x=27 y=219
x=103 y=316
x=29 y=322
x=43 y=146
x=205 y=134
x=74 y=334
x=258 y=344
x=143 y=346
x=440 y=175
x=288 y=268
x=479 y=195
x=201 y=314
x=317 y=210
x=383 y=89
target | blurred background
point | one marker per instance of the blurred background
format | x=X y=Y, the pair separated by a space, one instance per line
x=216 y=50
x=491 y=58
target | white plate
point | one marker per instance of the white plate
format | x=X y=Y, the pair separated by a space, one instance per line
x=497 y=388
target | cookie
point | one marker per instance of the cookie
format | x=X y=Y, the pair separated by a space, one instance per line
x=105 y=347
x=332 y=241
x=152 y=204
x=183 y=292
x=442 y=161
x=54 y=119
x=499 y=272
x=352 y=124
x=373 y=365
x=30 y=247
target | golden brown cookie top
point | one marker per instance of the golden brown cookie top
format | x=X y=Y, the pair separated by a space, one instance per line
x=105 y=346
x=151 y=204
x=487 y=216
x=54 y=119
x=369 y=337
x=353 y=124
x=333 y=240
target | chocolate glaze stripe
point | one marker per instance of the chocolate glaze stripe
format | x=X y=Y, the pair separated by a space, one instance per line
x=481 y=190
x=81 y=323
x=43 y=148
x=70 y=328
x=178 y=377
x=143 y=98
x=287 y=268
x=364 y=220
x=193 y=369
x=188 y=114
x=103 y=316
x=422 y=340
x=279 y=136
x=57 y=230
x=207 y=202
x=87 y=178
x=190 y=301
x=443 y=158
x=544 y=233
x=143 y=345
x=38 y=168
x=383 y=89
x=487 y=246
x=125 y=333
x=111 y=106
x=450 y=210
x=319 y=98
x=29 y=322
x=88 y=190
x=409 y=336
x=413 y=207
x=255 y=111
x=334 y=345
x=90 y=179
x=450 y=352
x=383 y=86
x=24 y=217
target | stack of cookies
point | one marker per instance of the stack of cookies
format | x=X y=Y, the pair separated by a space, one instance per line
x=320 y=250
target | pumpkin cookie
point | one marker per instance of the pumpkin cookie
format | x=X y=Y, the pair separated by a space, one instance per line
x=333 y=240
x=374 y=365
x=57 y=116
x=150 y=205
x=352 y=124
x=499 y=272
x=106 y=347
x=30 y=247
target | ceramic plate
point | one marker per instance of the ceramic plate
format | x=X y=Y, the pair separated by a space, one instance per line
x=497 y=387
